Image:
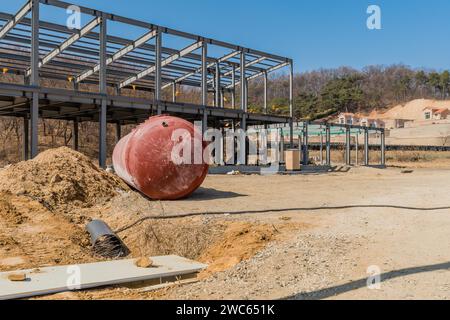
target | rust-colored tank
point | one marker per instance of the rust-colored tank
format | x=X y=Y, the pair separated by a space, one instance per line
x=143 y=159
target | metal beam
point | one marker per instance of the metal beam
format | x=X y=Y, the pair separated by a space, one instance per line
x=259 y=74
x=348 y=160
x=204 y=71
x=16 y=19
x=34 y=79
x=119 y=54
x=291 y=102
x=67 y=43
x=26 y=140
x=383 y=147
x=75 y=135
x=233 y=90
x=366 y=146
x=143 y=24
x=165 y=62
x=305 y=153
x=251 y=63
x=210 y=65
x=103 y=90
x=217 y=86
x=118 y=133
x=243 y=83
x=265 y=92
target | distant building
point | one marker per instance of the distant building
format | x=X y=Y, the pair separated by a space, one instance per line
x=435 y=114
x=396 y=123
x=372 y=123
x=348 y=118
x=352 y=119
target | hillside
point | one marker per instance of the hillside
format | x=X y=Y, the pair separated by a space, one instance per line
x=412 y=110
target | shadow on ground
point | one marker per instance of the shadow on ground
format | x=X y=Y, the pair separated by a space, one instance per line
x=362 y=283
x=212 y=194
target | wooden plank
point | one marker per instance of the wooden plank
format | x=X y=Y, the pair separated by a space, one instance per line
x=50 y=280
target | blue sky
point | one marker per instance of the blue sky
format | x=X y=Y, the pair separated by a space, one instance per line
x=315 y=33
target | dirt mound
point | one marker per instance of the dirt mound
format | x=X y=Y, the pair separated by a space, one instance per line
x=240 y=241
x=412 y=110
x=61 y=179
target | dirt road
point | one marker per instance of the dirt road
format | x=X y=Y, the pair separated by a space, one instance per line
x=382 y=224
x=296 y=237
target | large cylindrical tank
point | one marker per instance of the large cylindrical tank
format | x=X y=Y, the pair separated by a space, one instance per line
x=144 y=160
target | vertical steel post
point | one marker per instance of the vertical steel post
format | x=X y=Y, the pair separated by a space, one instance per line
x=217 y=86
x=328 y=144
x=102 y=85
x=291 y=102
x=158 y=71
x=243 y=83
x=75 y=136
x=305 y=154
x=300 y=147
x=357 y=149
x=281 y=146
x=321 y=148
x=204 y=86
x=118 y=131
x=174 y=92
x=265 y=92
x=204 y=74
x=348 y=160
x=25 y=140
x=366 y=146
x=244 y=99
x=383 y=147
x=34 y=78
x=233 y=90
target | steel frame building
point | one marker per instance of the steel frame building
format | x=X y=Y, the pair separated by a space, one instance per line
x=38 y=49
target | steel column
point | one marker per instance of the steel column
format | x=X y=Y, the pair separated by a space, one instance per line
x=305 y=153
x=103 y=90
x=75 y=135
x=357 y=150
x=204 y=74
x=348 y=160
x=265 y=93
x=174 y=92
x=217 y=86
x=243 y=83
x=205 y=120
x=26 y=139
x=158 y=79
x=34 y=77
x=328 y=144
x=291 y=101
x=233 y=90
x=366 y=146
x=118 y=131
x=383 y=147
x=281 y=146
x=321 y=149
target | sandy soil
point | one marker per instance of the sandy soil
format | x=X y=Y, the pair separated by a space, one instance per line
x=383 y=223
x=297 y=237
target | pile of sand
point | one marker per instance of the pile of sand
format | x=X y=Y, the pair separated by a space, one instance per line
x=412 y=110
x=61 y=179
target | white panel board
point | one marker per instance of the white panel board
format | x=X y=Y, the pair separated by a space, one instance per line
x=50 y=280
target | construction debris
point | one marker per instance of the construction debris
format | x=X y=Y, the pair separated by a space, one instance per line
x=104 y=242
x=144 y=262
x=68 y=278
x=17 y=277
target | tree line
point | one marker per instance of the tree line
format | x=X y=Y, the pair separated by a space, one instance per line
x=326 y=92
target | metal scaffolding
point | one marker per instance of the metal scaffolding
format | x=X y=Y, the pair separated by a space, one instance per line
x=91 y=55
